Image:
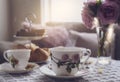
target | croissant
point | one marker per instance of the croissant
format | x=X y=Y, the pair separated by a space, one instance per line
x=39 y=54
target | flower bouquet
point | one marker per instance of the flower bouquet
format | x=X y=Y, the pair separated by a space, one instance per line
x=106 y=11
x=102 y=15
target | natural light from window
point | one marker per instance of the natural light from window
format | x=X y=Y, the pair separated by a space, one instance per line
x=62 y=10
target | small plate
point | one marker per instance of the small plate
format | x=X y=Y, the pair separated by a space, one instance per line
x=29 y=37
x=48 y=72
x=6 y=67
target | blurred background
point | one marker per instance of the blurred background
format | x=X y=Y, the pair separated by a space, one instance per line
x=14 y=12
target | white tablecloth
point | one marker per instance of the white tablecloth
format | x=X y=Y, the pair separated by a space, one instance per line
x=109 y=73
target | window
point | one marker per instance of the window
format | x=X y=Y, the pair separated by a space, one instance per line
x=61 y=10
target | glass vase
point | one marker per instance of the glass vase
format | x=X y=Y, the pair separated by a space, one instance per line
x=105 y=36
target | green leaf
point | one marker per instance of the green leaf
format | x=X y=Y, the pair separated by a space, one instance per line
x=99 y=2
x=68 y=69
x=13 y=64
x=72 y=65
x=13 y=61
x=58 y=64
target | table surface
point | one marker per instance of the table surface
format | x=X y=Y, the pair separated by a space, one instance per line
x=109 y=73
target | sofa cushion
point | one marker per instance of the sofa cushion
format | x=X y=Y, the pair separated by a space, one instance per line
x=79 y=27
x=87 y=40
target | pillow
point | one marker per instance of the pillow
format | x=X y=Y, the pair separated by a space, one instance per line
x=87 y=40
x=57 y=36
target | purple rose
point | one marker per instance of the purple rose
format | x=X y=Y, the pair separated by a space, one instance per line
x=75 y=58
x=65 y=57
x=108 y=12
x=87 y=17
x=89 y=12
x=116 y=1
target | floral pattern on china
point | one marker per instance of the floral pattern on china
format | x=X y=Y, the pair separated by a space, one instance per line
x=13 y=61
x=69 y=62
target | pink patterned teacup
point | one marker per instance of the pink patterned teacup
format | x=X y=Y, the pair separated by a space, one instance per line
x=66 y=60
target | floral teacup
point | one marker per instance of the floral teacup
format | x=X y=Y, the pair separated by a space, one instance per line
x=66 y=60
x=18 y=58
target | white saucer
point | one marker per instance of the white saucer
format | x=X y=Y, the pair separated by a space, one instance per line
x=6 y=67
x=48 y=72
x=29 y=37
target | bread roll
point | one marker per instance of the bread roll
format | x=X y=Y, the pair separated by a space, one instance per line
x=38 y=55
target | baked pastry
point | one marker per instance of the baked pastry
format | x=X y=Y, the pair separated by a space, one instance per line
x=38 y=55
x=31 y=46
x=30 y=32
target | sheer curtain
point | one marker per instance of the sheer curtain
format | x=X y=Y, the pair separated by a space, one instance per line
x=61 y=10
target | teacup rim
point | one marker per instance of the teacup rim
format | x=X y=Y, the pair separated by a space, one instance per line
x=75 y=49
x=18 y=50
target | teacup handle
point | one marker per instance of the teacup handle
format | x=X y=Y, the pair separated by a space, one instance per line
x=5 y=56
x=87 y=53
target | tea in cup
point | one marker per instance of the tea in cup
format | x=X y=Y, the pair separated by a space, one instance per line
x=18 y=58
x=66 y=60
